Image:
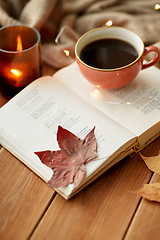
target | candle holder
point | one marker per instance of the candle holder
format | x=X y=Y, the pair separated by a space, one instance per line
x=19 y=58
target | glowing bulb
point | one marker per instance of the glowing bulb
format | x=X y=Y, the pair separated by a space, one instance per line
x=16 y=72
x=109 y=23
x=96 y=91
x=157 y=6
x=66 y=52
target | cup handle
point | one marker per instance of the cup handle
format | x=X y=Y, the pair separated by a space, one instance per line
x=153 y=61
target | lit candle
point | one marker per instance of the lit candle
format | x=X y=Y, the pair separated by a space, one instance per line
x=19 y=58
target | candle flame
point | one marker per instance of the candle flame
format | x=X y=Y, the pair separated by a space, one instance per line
x=16 y=72
x=19 y=43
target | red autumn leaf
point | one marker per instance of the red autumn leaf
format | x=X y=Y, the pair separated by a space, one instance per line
x=68 y=162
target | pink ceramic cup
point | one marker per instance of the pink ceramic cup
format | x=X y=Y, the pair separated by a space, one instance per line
x=117 y=77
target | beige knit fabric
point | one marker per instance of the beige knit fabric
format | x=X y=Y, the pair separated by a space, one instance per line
x=49 y=16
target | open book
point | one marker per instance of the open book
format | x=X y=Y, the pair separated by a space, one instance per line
x=126 y=119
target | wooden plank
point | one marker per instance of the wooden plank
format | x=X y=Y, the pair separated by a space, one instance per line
x=3 y=100
x=23 y=198
x=103 y=210
x=146 y=223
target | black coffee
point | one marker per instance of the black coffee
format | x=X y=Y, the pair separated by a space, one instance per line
x=108 y=53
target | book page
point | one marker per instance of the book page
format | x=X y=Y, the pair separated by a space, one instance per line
x=29 y=123
x=135 y=106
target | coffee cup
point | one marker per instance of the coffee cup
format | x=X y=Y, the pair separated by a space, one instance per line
x=111 y=57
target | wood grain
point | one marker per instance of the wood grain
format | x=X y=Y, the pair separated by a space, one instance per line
x=108 y=209
x=24 y=198
x=103 y=210
x=146 y=223
x=3 y=100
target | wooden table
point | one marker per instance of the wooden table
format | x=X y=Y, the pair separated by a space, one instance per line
x=107 y=209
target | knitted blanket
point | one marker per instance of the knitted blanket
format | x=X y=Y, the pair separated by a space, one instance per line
x=80 y=16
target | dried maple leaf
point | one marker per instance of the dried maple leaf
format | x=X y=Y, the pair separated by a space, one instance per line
x=150 y=191
x=153 y=163
x=68 y=162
